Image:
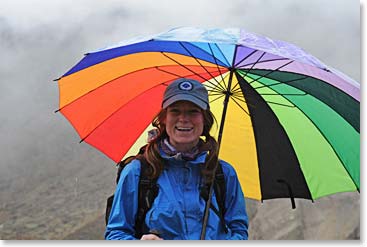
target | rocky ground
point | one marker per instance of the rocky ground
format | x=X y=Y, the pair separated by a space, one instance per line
x=59 y=191
x=68 y=202
x=275 y=220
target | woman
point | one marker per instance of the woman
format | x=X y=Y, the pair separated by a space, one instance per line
x=183 y=162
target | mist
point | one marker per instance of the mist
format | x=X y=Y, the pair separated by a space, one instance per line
x=41 y=40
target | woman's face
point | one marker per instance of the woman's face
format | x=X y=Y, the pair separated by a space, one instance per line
x=184 y=125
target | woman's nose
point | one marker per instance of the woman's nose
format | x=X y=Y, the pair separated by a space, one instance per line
x=183 y=115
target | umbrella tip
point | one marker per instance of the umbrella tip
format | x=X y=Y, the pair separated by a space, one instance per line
x=291 y=196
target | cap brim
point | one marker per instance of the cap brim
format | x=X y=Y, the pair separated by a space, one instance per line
x=179 y=97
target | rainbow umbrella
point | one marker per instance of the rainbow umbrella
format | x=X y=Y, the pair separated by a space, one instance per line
x=287 y=123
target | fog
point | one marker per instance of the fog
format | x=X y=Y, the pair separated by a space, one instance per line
x=40 y=40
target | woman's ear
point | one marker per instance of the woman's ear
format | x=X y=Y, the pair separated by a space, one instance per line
x=164 y=120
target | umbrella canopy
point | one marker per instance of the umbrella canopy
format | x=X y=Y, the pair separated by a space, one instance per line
x=287 y=123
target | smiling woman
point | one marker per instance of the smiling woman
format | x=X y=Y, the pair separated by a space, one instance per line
x=183 y=164
x=184 y=125
x=40 y=149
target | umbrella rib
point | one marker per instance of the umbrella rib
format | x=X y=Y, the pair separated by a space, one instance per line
x=238 y=104
x=212 y=54
x=257 y=61
x=214 y=85
x=215 y=60
x=282 y=94
x=236 y=90
x=272 y=71
x=249 y=55
x=214 y=93
x=264 y=61
x=100 y=86
x=254 y=80
x=197 y=60
x=169 y=72
x=332 y=147
x=253 y=66
x=163 y=83
x=214 y=89
x=278 y=94
x=216 y=44
x=106 y=83
x=216 y=63
x=105 y=119
x=278 y=83
x=268 y=86
x=275 y=103
x=219 y=96
x=294 y=106
x=199 y=48
x=217 y=93
x=270 y=102
x=238 y=97
x=242 y=99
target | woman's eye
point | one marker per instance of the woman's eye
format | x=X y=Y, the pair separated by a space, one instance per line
x=174 y=110
x=194 y=111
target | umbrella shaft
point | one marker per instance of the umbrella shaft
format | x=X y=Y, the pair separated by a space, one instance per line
x=225 y=104
x=208 y=202
x=206 y=214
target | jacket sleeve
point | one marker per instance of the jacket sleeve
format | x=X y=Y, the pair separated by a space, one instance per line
x=235 y=216
x=123 y=212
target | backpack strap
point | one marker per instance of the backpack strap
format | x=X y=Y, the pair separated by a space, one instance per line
x=219 y=187
x=120 y=166
x=220 y=193
x=148 y=191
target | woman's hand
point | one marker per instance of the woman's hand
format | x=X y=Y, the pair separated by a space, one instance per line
x=150 y=237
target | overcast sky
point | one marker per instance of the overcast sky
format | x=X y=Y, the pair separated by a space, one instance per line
x=40 y=40
x=329 y=29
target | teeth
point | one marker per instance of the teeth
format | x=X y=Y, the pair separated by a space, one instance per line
x=183 y=129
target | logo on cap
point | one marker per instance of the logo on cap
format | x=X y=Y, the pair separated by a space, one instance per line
x=186 y=86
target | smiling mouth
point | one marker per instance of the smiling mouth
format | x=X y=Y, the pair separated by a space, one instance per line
x=183 y=129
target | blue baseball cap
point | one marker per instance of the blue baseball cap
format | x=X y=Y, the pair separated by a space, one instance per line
x=186 y=89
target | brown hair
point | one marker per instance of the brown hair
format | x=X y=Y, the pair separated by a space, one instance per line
x=155 y=160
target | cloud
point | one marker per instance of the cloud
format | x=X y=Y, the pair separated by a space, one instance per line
x=40 y=40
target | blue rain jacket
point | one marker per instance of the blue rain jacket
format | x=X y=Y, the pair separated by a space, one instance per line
x=177 y=211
